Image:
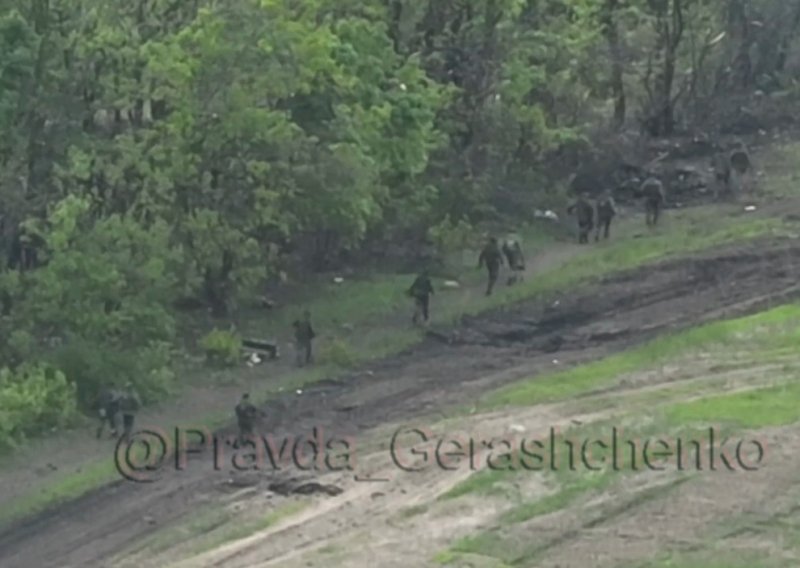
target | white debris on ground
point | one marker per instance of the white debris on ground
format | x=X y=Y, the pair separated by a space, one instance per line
x=548 y=214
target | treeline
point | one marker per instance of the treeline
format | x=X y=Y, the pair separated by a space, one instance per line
x=159 y=150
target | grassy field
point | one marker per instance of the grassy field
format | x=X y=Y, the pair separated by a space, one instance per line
x=367 y=318
x=667 y=415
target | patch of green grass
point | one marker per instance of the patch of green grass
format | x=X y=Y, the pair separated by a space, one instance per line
x=512 y=545
x=774 y=406
x=237 y=529
x=409 y=512
x=210 y=527
x=772 y=328
x=719 y=559
x=690 y=231
x=566 y=495
x=361 y=301
x=68 y=488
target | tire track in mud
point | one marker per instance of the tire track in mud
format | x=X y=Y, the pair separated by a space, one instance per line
x=449 y=367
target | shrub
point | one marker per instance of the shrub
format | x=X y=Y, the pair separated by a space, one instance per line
x=33 y=399
x=338 y=353
x=222 y=347
x=91 y=366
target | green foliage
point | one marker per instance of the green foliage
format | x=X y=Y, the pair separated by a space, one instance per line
x=222 y=347
x=33 y=399
x=338 y=353
x=452 y=236
x=195 y=149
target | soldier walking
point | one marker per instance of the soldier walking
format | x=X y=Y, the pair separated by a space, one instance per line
x=107 y=409
x=246 y=416
x=515 y=259
x=129 y=405
x=304 y=335
x=653 y=191
x=606 y=211
x=585 y=214
x=493 y=259
x=421 y=290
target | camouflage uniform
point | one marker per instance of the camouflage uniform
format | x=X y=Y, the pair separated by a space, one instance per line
x=516 y=261
x=722 y=173
x=421 y=290
x=585 y=214
x=606 y=210
x=108 y=402
x=304 y=334
x=493 y=259
x=246 y=415
x=129 y=404
x=653 y=191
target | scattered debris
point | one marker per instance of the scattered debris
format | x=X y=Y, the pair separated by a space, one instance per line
x=451 y=285
x=299 y=391
x=555 y=361
x=338 y=280
x=548 y=214
x=288 y=487
x=262 y=346
x=750 y=208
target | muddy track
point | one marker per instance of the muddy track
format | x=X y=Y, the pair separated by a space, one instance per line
x=450 y=367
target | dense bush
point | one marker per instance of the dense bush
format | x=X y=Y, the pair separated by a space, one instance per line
x=222 y=347
x=192 y=149
x=33 y=399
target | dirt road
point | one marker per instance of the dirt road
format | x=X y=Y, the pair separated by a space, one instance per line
x=451 y=367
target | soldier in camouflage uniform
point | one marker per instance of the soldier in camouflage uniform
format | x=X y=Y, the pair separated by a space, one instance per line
x=585 y=215
x=653 y=191
x=606 y=210
x=129 y=405
x=516 y=260
x=304 y=335
x=421 y=290
x=108 y=402
x=493 y=259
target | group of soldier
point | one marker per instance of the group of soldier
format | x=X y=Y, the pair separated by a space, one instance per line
x=652 y=190
x=491 y=257
x=112 y=403
x=598 y=215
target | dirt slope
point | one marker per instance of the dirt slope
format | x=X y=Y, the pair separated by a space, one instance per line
x=451 y=367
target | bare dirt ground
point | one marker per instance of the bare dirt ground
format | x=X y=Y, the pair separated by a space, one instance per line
x=45 y=461
x=401 y=523
x=452 y=367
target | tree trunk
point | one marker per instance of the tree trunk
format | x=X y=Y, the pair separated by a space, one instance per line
x=611 y=32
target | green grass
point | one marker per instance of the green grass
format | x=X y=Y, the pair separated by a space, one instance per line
x=512 y=545
x=237 y=529
x=211 y=527
x=773 y=329
x=720 y=559
x=67 y=488
x=367 y=302
x=688 y=231
x=759 y=408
